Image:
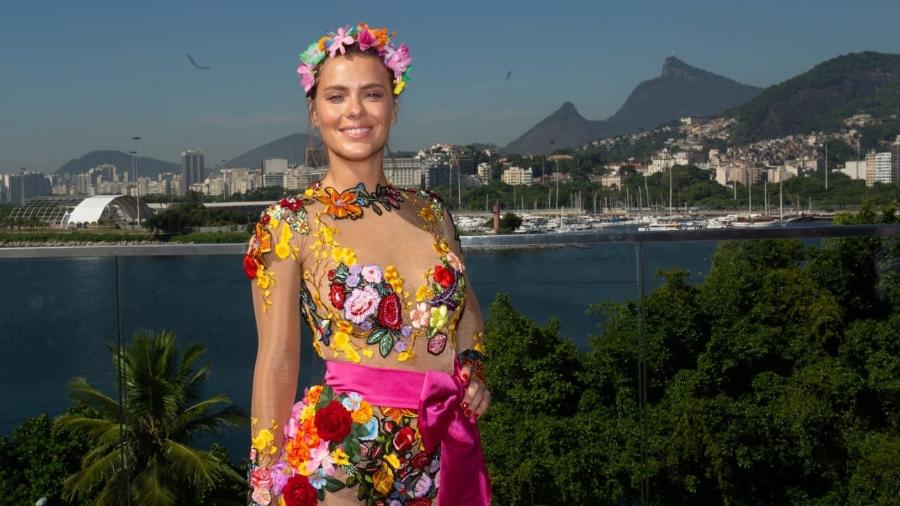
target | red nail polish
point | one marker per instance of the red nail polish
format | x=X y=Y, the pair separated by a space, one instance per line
x=464 y=376
x=464 y=405
x=468 y=413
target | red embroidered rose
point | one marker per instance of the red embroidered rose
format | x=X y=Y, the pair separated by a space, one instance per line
x=250 y=266
x=389 y=312
x=299 y=492
x=421 y=460
x=337 y=295
x=284 y=203
x=265 y=219
x=333 y=422
x=331 y=273
x=443 y=276
x=404 y=439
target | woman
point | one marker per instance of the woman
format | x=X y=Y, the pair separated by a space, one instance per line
x=379 y=275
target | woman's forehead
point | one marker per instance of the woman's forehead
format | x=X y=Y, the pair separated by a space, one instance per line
x=354 y=70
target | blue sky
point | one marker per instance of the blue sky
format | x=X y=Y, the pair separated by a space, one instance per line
x=79 y=76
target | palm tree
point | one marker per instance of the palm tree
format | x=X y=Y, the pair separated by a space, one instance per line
x=141 y=447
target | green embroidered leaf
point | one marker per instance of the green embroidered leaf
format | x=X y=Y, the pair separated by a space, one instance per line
x=320 y=494
x=351 y=481
x=341 y=272
x=325 y=397
x=351 y=447
x=386 y=345
x=333 y=484
x=377 y=335
x=384 y=288
x=361 y=493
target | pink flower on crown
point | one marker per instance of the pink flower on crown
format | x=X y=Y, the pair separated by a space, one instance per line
x=398 y=59
x=339 y=40
x=366 y=39
x=307 y=80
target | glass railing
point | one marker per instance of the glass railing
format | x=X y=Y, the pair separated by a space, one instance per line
x=64 y=306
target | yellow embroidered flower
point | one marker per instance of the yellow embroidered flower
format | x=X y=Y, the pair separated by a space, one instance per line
x=345 y=327
x=263 y=278
x=283 y=250
x=428 y=214
x=423 y=293
x=438 y=317
x=403 y=356
x=363 y=414
x=340 y=343
x=309 y=192
x=441 y=247
x=263 y=441
x=393 y=278
x=392 y=460
x=383 y=479
x=308 y=412
x=368 y=353
x=340 y=457
x=345 y=255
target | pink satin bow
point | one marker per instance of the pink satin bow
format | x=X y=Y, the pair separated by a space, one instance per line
x=437 y=396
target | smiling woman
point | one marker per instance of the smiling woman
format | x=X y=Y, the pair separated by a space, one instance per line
x=382 y=287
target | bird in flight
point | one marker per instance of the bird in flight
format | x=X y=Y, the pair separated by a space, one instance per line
x=194 y=63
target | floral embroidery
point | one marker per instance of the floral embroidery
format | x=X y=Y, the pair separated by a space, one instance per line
x=349 y=203
x=286 y=216
x=262 y=473
x=367 y=297
x=383 y=458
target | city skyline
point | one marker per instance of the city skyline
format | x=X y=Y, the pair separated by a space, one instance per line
x=92 y=76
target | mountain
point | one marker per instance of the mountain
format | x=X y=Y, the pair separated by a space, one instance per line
x=148 y=167
x=680 y=90
x=291 y=147
x=562 y=129
x=867 y=82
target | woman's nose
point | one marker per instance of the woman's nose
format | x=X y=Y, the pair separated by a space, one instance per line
x=355 y=108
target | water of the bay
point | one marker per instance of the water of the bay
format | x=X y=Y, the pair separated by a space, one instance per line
x=59 y=315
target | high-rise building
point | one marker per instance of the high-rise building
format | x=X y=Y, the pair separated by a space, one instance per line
x=870 y=168
x=193 y=168
x=273 y=170
x=883 y=168
x=895 y=161
x=25 y=185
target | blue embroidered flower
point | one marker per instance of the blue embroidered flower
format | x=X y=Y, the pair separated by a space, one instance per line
x=372 y=428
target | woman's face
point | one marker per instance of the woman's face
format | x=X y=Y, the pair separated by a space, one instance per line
x=353 y=107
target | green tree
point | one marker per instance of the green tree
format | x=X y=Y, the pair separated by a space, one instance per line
x=143 y=448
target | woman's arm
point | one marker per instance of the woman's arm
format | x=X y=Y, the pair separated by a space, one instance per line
x=469 y=335
x=275 y=251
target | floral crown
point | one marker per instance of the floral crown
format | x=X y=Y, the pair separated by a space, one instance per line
x=377 y=39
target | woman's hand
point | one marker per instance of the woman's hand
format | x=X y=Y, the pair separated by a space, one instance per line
x=477 y=399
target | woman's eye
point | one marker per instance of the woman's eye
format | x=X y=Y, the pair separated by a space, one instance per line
x=335 y=98
x=374 y=95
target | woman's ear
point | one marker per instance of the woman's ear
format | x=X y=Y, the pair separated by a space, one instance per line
x=313 y=117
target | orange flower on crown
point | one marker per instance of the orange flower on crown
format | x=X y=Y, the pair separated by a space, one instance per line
x=340 y=205
x=381 y=35
x=322 y=42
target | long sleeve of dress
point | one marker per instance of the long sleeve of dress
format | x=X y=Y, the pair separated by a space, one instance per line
x=274 y=262
x=470 y=327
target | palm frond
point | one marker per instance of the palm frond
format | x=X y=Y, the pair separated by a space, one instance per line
x=151 y=488
x=80 y=483
x=199 y=467
x=81 y=390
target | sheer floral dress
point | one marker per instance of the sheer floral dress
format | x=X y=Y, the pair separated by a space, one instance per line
x=381 y=284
